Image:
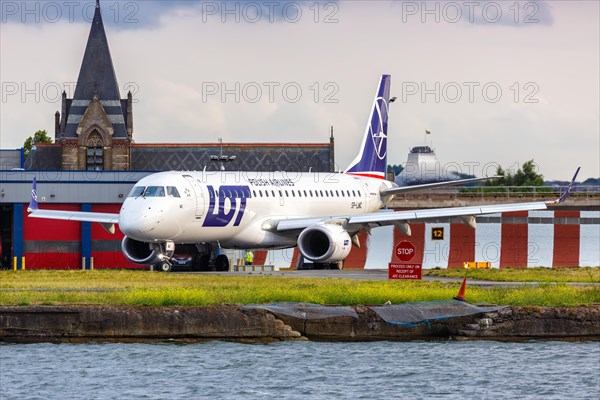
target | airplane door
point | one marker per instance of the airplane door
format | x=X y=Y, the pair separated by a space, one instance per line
x=198 y=195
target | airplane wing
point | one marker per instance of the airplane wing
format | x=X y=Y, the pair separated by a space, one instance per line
x=396 y=217
x=107 y=220
x=427 y=186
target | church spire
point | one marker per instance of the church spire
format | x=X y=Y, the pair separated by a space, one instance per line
x=97 y=74
x=97 y=88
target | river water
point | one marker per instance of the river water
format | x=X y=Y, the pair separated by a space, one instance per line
x=301 y=370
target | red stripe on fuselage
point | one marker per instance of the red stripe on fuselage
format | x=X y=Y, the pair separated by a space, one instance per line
x=366 y=175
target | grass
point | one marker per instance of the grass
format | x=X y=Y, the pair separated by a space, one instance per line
x=583 y=275
x=157 y=289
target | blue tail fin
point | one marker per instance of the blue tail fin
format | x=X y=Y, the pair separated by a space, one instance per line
x=33 y=204
x=371 y=161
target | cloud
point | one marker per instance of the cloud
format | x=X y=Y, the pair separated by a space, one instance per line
x=490 y=13
x=148 y=14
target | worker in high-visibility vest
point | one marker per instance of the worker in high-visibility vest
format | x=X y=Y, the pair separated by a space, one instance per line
x=249 y=257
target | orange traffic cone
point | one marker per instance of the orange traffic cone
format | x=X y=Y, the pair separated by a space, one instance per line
x=462 y=291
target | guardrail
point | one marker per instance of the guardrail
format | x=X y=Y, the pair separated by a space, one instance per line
x=534 y=192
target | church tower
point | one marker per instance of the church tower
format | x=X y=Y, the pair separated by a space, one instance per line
x=95 y=127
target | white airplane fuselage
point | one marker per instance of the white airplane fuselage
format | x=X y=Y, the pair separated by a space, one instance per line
x=234 y=208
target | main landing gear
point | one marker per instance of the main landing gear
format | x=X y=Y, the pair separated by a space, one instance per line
x=198 y=258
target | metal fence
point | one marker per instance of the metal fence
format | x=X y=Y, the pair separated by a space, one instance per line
x=532 y=192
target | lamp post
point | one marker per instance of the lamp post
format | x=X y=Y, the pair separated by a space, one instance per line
x=222 y=158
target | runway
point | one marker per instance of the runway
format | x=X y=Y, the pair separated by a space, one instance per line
x=372 y=274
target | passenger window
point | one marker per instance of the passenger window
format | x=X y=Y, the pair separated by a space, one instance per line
x=266 y=193
x=254 y=193
x=172 y=191
x=287 y=194
x=273 y=193
x=305 y=194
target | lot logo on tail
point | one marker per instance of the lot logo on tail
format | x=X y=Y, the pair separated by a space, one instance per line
x=378 y=135
x=371 y=161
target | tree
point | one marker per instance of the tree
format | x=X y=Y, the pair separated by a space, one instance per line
x=526 y=176
x=37 y=138
x=396 y=169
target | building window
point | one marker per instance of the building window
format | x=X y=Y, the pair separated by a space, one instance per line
x=95 y=153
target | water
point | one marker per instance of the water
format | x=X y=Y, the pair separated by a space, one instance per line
x=302 y=370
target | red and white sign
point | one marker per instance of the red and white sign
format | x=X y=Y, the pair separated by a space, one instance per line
x=404 y=271
x=405 y=251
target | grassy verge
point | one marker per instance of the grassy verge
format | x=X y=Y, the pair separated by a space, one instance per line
x=155 y=289
x=584 y=275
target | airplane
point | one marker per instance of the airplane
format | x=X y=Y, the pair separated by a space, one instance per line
x=321 y=213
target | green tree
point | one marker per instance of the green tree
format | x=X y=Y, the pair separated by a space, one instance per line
x=37 y=138
x=395 y=168
x=526 y=176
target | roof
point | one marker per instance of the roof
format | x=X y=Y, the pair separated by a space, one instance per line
x=97 y=78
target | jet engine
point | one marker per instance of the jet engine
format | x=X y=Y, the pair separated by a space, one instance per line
x=146 y=253
x=325 y=243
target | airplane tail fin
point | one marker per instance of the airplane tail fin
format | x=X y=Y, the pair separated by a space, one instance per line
x=371 y=160
x=33 y=204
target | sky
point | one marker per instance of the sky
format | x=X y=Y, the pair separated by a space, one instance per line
x=495 y=82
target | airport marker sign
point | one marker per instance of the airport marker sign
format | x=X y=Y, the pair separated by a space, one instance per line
x=405 y=251
x=404 y=271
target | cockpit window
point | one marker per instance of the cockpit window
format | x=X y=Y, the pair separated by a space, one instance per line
x=154 y=191
x=172 y=191
x=136 y=191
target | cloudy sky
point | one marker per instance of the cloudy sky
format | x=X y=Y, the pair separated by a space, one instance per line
x=496 y=82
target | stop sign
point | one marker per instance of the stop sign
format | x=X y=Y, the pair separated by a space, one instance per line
x=405 y=251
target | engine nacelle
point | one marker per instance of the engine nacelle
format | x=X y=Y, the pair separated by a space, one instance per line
x=324 y=243
x=146 y=253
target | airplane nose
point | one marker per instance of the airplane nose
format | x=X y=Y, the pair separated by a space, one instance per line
x=138 y=225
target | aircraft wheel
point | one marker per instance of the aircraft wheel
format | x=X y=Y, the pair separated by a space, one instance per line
x=164 y=266
x=201 y=262
x=222 y=263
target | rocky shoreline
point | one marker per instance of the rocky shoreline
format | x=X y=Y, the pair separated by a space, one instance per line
x=20 y=324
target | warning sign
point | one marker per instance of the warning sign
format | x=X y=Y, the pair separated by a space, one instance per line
x=404 y=271
x=405 y=251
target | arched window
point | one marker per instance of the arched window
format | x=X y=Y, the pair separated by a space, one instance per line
x=95 y=152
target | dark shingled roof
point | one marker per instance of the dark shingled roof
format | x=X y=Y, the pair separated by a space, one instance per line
x=97 y=74
x=97 y=78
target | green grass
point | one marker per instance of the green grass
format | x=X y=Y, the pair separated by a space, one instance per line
x=583 y=275
x=157 y=289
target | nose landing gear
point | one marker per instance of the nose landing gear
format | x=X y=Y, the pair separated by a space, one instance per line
x=164 y=266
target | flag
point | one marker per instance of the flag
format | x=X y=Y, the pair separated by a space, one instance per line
x=427 y=132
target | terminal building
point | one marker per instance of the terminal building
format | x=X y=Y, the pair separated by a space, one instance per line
x=94 y=162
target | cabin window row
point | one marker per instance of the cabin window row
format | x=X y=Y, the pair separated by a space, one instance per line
x=233 y=193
